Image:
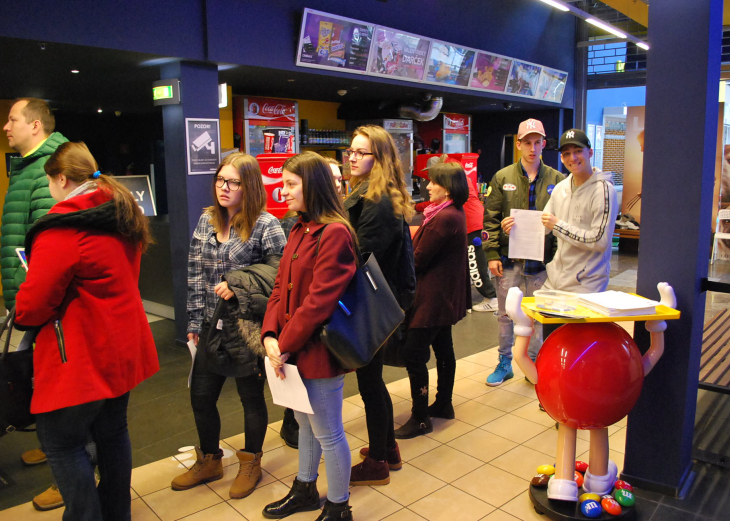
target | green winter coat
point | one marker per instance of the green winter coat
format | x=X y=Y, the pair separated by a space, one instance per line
x=27 y=200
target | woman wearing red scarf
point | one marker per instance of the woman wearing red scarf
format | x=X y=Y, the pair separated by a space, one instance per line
x=442 y=290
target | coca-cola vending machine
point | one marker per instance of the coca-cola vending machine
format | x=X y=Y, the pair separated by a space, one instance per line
x=468 y=163
x=271 y=174
x=456 y=134
x=267 y=125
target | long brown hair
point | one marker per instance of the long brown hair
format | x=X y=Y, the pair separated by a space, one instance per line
x=253 y=201
x=386 y=175
x=320 y=197
x=74 y=160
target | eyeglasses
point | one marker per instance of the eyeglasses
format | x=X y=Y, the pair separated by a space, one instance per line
x=359 y=154
x=233 y=184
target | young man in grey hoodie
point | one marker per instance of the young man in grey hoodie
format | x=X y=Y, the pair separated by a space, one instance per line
x=581 y=214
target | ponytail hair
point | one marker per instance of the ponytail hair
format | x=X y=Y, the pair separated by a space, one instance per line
x=74 y=160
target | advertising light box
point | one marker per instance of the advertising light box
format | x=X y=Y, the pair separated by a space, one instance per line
x=333 y=42
x=491 y=72
x=398 y=55
x=449 y=64
x=523 y=79
x=552 y=85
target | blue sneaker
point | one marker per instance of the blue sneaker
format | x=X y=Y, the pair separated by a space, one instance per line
x=502 y=372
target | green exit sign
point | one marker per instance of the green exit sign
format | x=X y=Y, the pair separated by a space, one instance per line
x=166 y=92
x=162 y=92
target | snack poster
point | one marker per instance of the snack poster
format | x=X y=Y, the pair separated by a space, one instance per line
x=330 y=41
x=551 y=85
x=523 y=79
x=491 y=72
x=399 y=55
x=449 y=64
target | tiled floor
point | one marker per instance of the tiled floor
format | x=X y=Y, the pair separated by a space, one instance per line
x=476 y=467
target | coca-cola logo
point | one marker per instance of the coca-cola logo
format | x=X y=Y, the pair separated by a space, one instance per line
x=455 y=123
x=277 y=110
x=273 y=170
x=468 y=165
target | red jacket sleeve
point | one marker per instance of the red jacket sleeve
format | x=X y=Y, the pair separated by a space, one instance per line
x=334 y=267
x=53 y=262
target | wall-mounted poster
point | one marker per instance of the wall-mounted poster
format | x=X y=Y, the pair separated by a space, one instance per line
x=398 y=54
x=523 y=79
x=491 y=72
x=449 y=64
x=203 y=145
x=552 y=85
x=328 y=41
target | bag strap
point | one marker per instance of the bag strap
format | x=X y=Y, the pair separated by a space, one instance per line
x=358 y=253
x=8 y=324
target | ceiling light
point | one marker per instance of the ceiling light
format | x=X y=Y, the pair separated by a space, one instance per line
x=99 y=111
x=556 y=5
x=605 y=27
x=643 y=46
x=74 y=71
x=290 y=79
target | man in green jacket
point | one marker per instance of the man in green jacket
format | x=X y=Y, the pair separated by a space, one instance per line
x=30 y=133
x=525 y=185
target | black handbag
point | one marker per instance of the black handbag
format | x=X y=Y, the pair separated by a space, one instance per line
x=365 y=316
x=16 y=384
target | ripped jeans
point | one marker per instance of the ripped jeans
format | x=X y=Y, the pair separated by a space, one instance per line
x=514 y=276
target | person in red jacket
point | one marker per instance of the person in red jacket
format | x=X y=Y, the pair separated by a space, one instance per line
x=94 y=344
x=317 y=265
x=442 y=289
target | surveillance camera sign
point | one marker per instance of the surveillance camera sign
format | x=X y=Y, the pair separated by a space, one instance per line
x=203 y=145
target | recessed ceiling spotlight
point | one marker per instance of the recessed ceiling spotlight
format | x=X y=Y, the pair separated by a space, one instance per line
x=74 y=71
x=291 y=79
x=99 y=111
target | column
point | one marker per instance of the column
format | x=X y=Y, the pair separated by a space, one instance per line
x=683 y=75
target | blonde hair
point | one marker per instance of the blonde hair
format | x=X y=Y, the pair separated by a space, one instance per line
x=253 y=201
x=74 y=160
x=386 y=176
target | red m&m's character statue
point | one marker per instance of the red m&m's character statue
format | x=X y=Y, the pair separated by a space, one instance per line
x=587 y=376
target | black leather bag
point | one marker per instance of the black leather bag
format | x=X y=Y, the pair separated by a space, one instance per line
x=16 y=384
x=366 y=315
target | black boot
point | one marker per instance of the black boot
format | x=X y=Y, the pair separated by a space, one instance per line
x=441 y=410
x=303 y=497
x=290 y=429
x=414 y=427
x=336 y=512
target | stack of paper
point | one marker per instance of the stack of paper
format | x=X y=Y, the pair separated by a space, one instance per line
x=618 y=304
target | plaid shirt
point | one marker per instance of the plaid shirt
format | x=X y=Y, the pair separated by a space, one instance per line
x=531 y=267
x=208 y=261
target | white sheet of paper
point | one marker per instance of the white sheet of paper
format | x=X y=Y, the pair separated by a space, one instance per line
x=193 y=349
x=289 y=392
x=527 y=236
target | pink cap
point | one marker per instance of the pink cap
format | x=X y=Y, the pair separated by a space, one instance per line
x=530 y=126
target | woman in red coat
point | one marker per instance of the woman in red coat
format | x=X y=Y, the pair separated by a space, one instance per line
x=94 y=344
x=442 y=289
x=317 y=265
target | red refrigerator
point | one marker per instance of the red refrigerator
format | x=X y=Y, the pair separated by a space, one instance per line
x=266 y=125
x=456 y=134
x=271 y=174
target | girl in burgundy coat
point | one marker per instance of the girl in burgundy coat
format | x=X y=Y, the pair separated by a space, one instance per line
x=442 y=289
x=94 y=344
x=317 y=265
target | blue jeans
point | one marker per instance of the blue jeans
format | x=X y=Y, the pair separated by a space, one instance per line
x=63 y=434
x=511 y=277
x=323 y=432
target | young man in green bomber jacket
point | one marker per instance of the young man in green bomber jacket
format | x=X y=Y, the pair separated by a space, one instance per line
x=525 y=185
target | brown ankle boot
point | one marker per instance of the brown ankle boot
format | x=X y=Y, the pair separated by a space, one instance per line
x=208 y=467
x=249 y=474
x=392 y=456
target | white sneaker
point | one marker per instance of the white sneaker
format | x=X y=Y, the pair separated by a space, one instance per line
x=486 y=305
